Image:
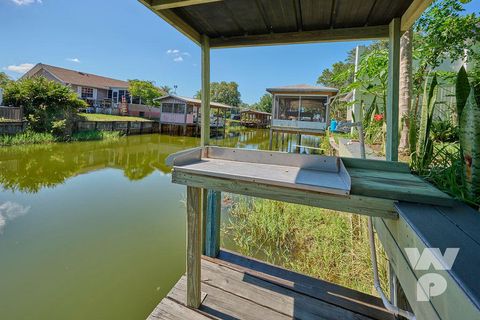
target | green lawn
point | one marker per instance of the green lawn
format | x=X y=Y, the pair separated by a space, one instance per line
x=108 y=117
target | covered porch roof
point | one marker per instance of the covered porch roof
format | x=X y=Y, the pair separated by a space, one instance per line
x=234 y=23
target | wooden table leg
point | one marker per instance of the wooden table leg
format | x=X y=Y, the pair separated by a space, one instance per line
x=194 y=246
x=212 y=232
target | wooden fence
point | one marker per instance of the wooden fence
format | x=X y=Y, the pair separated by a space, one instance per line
x=11 y=113
x=127 y=127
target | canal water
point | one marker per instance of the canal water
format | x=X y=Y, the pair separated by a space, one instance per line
x=94 y=230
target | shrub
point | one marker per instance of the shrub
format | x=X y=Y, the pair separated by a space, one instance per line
x=48 y=105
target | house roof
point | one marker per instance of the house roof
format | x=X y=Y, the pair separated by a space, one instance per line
x=79 y=78
x=302 y=88
x=197 y=101
x=233 y=23
x=255 y=111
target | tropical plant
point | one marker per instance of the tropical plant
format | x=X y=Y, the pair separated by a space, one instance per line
x=462 y=91
x=421 y=144
x=470 y=144
x=48 y=105
x=444 y=131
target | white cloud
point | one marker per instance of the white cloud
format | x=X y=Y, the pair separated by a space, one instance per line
x=76 y=60
x=177 y=55
x=21 y=68
x=9 y=211
x=25 y=2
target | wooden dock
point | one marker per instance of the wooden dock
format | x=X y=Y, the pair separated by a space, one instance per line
x=237 y=287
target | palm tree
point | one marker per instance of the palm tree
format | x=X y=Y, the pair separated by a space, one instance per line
x=166 y=89
x=405 y=100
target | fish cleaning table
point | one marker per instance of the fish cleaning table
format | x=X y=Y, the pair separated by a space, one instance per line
x=353 y=185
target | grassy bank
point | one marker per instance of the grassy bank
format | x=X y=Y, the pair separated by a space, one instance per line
x=322 y=243
x=109 y=117
x=30 y=137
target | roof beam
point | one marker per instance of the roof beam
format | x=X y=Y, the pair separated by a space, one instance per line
x=170 y=4
x=413 y=13
x=346 y=34
x=175 y=21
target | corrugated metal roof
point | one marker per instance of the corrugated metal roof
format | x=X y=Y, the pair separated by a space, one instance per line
x=231 y=23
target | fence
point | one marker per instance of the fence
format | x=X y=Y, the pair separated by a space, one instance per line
x=11 y=113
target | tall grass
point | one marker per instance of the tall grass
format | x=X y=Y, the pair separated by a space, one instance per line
x=30 y=137
x=27 y=137
x=95 y=135
x=322 y=243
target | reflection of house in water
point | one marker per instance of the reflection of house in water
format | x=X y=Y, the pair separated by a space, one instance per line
x=34 y=167
x=300 y=109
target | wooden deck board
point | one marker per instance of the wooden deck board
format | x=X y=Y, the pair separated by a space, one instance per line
x=234 y=291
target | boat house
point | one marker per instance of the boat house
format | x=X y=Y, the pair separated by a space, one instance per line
x=255 y=119
x=301 y=108
x=184 y=114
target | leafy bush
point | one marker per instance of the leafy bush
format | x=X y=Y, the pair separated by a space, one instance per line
x=444 y=131
x=48 y=105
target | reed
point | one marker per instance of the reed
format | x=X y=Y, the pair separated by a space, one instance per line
x=326 y=244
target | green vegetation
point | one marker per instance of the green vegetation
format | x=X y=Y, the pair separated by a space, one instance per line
x=223 y=92
x=109 y=117
x=28 y=137
x=147 y=91
x=322 y=243
x=49 y=106
x=31 y=137
x=4 y=79
x=96 y=135
x=265 y=103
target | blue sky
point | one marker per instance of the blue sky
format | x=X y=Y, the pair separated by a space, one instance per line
x=124 y=40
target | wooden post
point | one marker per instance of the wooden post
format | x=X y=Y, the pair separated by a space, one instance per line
x=270 y=143
x=212 y=233
x=205 y=130
x=393 y=91
x=194 y=243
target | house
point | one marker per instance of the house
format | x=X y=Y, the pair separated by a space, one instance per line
x=255 y=119
x=97 y=91
x=183 y=112
x=301 y=108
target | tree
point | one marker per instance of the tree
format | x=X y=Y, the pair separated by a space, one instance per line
x=48 y=105
x=405 y=101
x=4 y=79
x=443 y=33
x=145 y=90
x=166 y=89
x=265 y=103
x=340 y=76
x=223 y=92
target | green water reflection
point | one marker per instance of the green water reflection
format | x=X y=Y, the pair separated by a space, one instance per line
x=93 y=230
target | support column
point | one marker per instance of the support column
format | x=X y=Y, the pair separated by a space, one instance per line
x=194 y=246
x=211 y=201
x=393 y=91
x=205 y=130
x=212 y=232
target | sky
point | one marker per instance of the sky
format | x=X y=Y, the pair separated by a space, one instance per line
x=122 y=39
